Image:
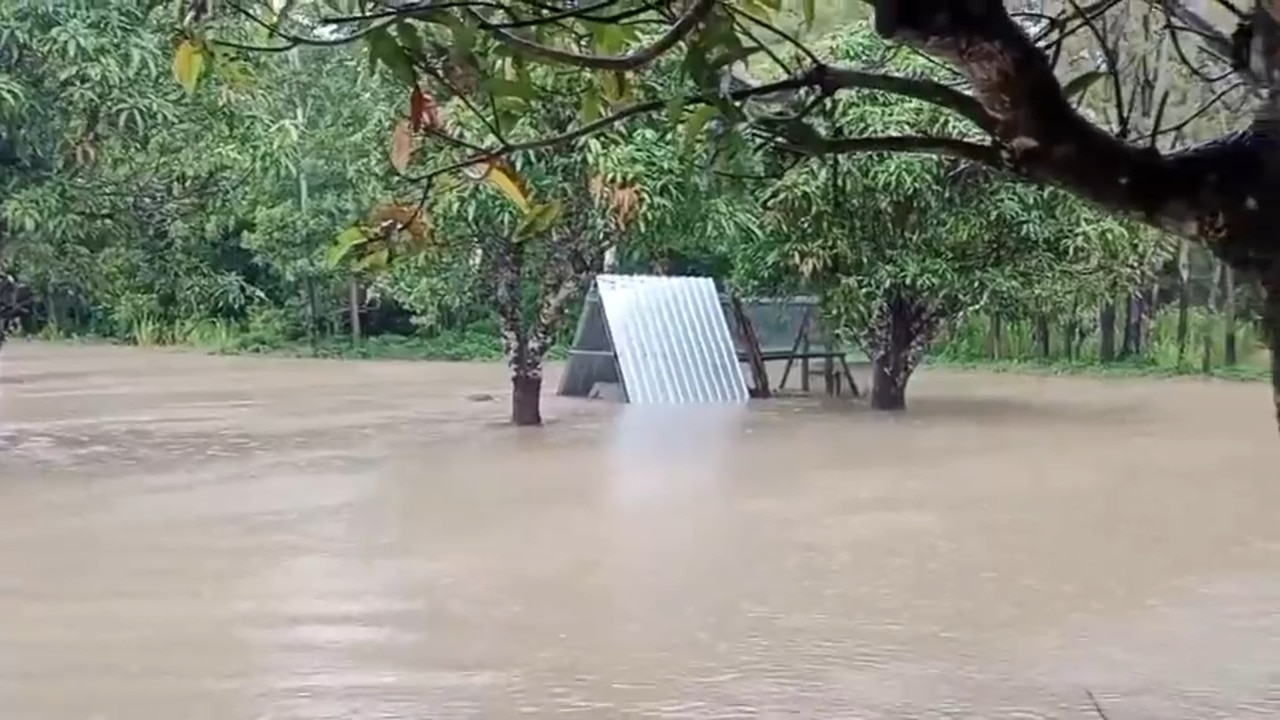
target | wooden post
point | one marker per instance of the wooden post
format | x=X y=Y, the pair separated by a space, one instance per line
x=754 y=357
x=795 y=346
x=804 y=359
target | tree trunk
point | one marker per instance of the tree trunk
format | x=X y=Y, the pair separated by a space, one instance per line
x=995 y=337
x=1132 y=326
x=1107 y=332
x=1206 y=357
x=15 y=302
x=526 y=393
x=888 y=386
x=1271 y=323
x=895 y=342
x=1044 y=336
x=1184 y=299
x=353 y=308
x=1070 y=329
x=1229 y=316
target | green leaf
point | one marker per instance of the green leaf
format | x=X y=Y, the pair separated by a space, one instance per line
x=410 y=38
x=1081 y=83
x=342 y=246
x=733 y=55
x=675 y=110
x=697 y=121
x=461 y=33
x=592 y=105
x=504 y=87
x=810 y=11
x=614 y=85
x=612 y=38
x=375 y=261
x=384 y=49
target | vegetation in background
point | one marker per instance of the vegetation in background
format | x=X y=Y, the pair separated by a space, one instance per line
x=276 y=202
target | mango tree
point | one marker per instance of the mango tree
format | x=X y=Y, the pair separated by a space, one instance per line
x=107 y=169
x=900 y=245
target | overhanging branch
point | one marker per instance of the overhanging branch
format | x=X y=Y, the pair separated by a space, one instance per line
x=694 y=14
x=918 y=144
x=1212 y=193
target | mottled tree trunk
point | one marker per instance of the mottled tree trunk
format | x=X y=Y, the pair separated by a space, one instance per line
x=523 y=358
x=353 y=308
x=1107 y=332
x=1132 y=345
x=1184 y=300
x=888 y=384
x=895 y=342
x=1206 y=355
x=15 y=302
x=526 y=386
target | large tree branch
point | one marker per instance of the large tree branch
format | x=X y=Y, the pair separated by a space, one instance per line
x=919 y=144
x=1219 y=193
x=823 y=78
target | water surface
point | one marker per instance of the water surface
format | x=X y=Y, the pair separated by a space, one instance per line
x=221 y=538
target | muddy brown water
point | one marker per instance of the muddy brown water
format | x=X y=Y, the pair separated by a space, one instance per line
x=187 y=538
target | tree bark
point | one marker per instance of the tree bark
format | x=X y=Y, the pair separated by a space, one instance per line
x=1229 y=356
x=895 y=341
x=1044 y=336
x=1107 y=332
x=1184 y=300
x=1132 y=345
x=888 y=386
x=1271 y=324
x=15 y=302
x=353 y=308
x=526 y=393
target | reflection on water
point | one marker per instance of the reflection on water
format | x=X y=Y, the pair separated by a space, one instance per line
x=195 y=537
x=662 y=453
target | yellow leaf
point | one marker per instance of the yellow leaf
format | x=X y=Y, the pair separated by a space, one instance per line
x=506 y=180
x=188 y=63
x=407 y=218
x=403 y=144
x=539 y=219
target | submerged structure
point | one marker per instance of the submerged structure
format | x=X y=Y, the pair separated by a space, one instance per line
x=655 y=340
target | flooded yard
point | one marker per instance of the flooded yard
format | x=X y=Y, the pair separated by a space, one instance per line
x=207 y=538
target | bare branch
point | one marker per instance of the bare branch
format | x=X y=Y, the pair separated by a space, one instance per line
x=696 y=13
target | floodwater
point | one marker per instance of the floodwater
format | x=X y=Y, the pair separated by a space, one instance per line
x=188 y=538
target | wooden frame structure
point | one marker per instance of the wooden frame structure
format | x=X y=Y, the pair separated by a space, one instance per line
x=801 y=349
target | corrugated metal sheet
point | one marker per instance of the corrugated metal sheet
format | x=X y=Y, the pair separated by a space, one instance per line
x=672 y=340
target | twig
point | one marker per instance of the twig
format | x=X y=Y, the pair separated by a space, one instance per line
x=1097 y=709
